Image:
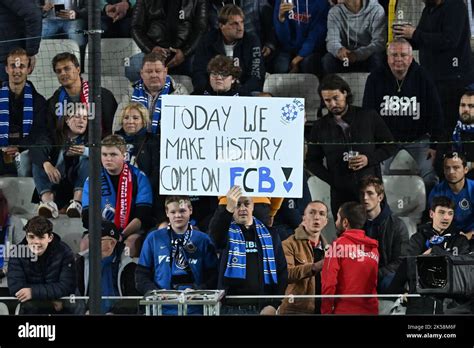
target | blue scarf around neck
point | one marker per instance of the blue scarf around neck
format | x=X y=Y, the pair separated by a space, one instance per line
x=5 y=112
x=236 y=261
x=140 y=96
x=461 y=128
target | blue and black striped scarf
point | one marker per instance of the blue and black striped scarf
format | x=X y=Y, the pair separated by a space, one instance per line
x=236 y=261
x=461 y=128
x=5 y=112
x=140 y=96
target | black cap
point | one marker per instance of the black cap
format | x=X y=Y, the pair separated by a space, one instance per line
x=110 y=230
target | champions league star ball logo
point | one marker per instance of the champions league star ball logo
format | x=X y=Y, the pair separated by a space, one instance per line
x=291 y=111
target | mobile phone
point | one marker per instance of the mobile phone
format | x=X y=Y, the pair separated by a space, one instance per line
x=400 y=24
x=171 y=55
x=59 y=7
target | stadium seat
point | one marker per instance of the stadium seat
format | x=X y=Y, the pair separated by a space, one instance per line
x=403 y=163
x=405 y=195
x=185 y=81
x=43 y=76
x=320 y=190
x=19 y=192
x=410 y=224
x=4 y=309
x=120 y=86
x=296 y=86
x=69 y=229
x=114 y=55
x=73 y=240
x=356 y=81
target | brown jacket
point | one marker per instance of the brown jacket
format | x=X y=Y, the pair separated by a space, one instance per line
x=301 y=281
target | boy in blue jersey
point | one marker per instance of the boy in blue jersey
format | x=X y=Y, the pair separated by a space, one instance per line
x=459 y=189
x=177 y=257
x=126 y=195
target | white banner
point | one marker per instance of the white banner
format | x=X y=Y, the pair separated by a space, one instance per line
x=209 y=144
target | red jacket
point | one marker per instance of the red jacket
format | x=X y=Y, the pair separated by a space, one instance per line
x=350 y=267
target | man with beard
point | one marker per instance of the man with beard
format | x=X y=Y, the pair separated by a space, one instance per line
x=443 y=39
x=464 y=130
x=381 y=225
x=350 y=265
x=459 y=189
x=353 y=140
x=304 y=252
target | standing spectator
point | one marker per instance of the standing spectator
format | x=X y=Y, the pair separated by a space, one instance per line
x=355 y=271
x=40 y=279
x=75 y=90
x=346 y=163
x=170 y=28
x=459 y=189
x=405 y=96
x=357 y=33
x=301 y=31
x=177 y=257
x=231 y=40
x=258 y=21
x=126 y=195
x=252 y=260
x=22 y=115
x=20 y=25
x=443 y=39
x=381 y=225
x=116 y=17
x=304 y=252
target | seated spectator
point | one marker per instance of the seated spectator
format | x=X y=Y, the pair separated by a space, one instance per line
x=171 y=29
x=410 y=107
x=252 y=260
x=126 y=196
x=350 y=265
x=459 y=189
x=116 y=18
x=258 y=21
x=301 y=32
x=40 y=279
x=177 y=257
x=438 y=237
x=463 y=135
x=61 y=166
x=22 y=115
x=304 y=252
x=232 y=41
x=117 y=273
x=357 y=33
x=154 y=83
x=70 y=21
x=143 y=148
x=76 y=90
x=223 y=77
x=381 y=225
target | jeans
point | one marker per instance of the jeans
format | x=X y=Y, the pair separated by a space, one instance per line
x=418 y=151
x=332 y=65
x=132 y=71
x=53 y=27
x=79 y=174
x=281 y=63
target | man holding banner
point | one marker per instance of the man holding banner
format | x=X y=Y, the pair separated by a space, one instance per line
x=252 y=258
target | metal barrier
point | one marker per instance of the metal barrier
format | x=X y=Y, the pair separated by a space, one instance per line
x=209 y=299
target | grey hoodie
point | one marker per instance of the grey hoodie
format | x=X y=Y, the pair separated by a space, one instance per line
x=363 y=33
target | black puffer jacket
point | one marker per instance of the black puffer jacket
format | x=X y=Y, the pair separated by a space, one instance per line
x=19 y=19
x=50 y=277
x=161 y=23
